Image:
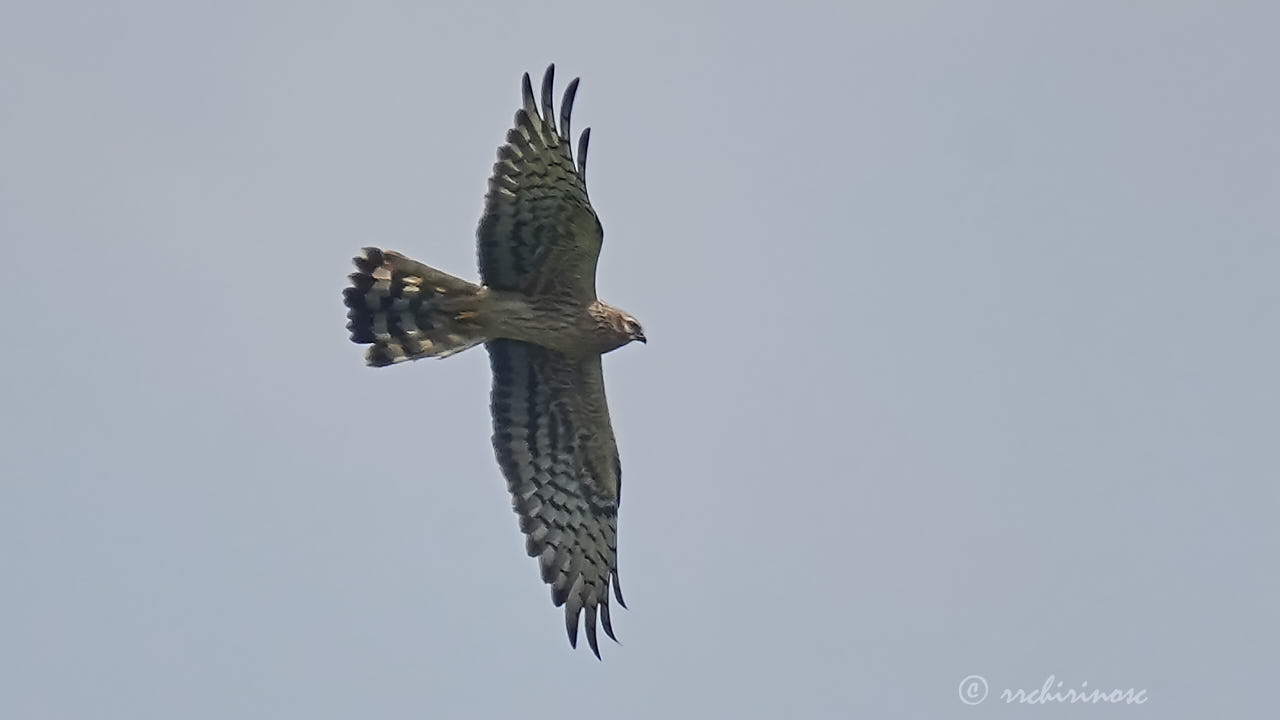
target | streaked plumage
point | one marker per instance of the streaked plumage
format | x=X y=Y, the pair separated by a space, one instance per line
x=537 y=313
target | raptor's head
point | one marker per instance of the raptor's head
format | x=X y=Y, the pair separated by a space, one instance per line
x=622 y=328
x=614 y=328
x=632 y=328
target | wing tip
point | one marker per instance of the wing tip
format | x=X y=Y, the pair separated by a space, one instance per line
x=526 y=92
x=548 y=102
x=592 y=640
x=583 y=141
x=617 y=588
x=571 y=626
x=605 y=621
x=566 y=108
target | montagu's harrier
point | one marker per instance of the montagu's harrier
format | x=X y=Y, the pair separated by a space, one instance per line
x=538 y=316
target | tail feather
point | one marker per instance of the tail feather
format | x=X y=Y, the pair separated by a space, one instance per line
x=405 y=310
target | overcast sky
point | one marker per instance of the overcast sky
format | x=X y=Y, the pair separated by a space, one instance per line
x=962 y=359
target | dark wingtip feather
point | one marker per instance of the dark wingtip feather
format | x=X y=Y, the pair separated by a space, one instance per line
x=617 y=589
x=604 y=617
x=582 y=153
x=526 y=90
x=548 y=108
x=571 y=625
x=566 y=108
x=591 y=632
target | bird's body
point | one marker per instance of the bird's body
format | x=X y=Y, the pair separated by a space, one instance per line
x=537 y=313
x=414 y=311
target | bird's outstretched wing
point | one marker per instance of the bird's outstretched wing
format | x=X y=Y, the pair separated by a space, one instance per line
x=539 y=234
x=555 y=445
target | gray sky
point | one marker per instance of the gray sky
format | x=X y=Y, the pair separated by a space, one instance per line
x=962 y=359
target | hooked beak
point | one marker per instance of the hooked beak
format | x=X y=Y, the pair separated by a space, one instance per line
x=640 y=338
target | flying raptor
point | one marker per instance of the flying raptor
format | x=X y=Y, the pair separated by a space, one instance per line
x=537 y=314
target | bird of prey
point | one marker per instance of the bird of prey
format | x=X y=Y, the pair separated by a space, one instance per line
x=537 y=314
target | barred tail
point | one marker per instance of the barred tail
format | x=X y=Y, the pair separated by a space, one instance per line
x=406 y=310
